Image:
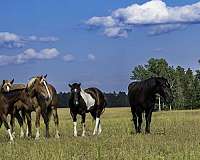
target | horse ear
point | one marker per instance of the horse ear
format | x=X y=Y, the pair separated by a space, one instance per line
x=12 y=81
x=4 y=81
x=45 y=76
x=79 y=84
x=70 y=85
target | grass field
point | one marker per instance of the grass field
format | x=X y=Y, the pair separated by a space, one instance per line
x=175 y=135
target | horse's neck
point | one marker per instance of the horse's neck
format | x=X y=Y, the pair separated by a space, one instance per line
x=13 y=96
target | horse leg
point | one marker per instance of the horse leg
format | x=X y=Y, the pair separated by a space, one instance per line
x=83 y=124
x=74 y=122
x=20 y=121
x=56 y=121
x=37 y=123
x=148 y=114
x=139 y=121
x=5 y=121
x=12 y=124
x=135 y=120
x=29 y=124
x=46 y=121
x=97 y=122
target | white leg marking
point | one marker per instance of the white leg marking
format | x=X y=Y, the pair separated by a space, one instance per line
x=96 y=126
x=13 y=134
x=37 y=133
x=75 y=130
x=57 y=133
x=22 y=132
x=10 y=135
x=27 y=131
x=100 y=129
x=83 y=133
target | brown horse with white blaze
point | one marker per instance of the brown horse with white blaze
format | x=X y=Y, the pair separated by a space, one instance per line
x=47 y=99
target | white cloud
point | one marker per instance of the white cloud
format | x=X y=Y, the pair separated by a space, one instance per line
x=155 y=12
x=69 y=58
x=42 y=39
x=29 y=54
x=91 y=57
x=12 y=40
x=165 y=28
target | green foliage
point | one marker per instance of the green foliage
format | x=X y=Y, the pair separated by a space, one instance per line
x=185 y=84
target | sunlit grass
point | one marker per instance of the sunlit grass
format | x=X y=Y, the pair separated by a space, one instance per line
x=175 y=135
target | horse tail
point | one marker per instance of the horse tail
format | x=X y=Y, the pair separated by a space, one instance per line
x=104 y=107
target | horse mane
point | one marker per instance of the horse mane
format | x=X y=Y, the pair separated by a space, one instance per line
x=32 y=81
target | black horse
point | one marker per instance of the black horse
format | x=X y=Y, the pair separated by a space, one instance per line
x=142 y=98
x=83 y=101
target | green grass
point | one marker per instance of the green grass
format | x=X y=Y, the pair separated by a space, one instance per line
x=175 y=135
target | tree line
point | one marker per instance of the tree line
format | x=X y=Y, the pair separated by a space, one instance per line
x=185 y=85
x=113 y=99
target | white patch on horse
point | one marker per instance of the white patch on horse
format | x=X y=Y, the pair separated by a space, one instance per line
x=45 y=84
x=89 y=101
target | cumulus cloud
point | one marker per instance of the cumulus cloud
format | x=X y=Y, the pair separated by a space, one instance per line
x=91 y=57
x=155 y=12
x=12 y=40
x=165 y=28
x=29 y=54
x=68 y=58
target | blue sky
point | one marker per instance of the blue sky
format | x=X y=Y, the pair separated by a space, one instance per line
x=63 y=39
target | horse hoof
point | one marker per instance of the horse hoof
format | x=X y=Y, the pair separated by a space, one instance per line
x=83 y=135
x=57 y=136
x=37 y=138
x=11 y=142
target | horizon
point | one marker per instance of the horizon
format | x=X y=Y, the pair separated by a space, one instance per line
x=97 y=43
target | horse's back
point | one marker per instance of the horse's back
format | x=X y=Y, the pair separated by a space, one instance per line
x=97 y=94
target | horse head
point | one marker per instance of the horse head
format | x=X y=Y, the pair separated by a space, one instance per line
x=37 y=86
x=75 y=93
x=164 y=89
x=6 y=85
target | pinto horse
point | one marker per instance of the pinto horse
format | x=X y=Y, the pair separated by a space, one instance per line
x=8 y=98
x=47 y=100
x=142 y=98
x=83 y=101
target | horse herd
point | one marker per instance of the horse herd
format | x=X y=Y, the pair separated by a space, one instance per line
x=19 y=100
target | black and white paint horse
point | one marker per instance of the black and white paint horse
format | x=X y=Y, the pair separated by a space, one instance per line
x=142 y=98
x=90 y=100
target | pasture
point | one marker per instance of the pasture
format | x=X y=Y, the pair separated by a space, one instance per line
x=174 y=135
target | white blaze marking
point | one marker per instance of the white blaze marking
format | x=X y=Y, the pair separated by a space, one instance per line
x=7 y=88
x=96 y=126
x=45 y=84
x=89 y=101
x=75 y=130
